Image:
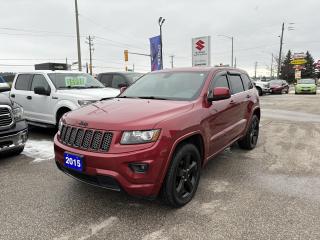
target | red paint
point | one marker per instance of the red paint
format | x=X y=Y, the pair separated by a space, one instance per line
x=218 y=123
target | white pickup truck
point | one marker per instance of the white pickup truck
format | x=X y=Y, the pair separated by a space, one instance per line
x=46 y=95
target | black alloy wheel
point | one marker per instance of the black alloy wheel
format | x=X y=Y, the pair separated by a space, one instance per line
x=183 y=176
x=249 y=141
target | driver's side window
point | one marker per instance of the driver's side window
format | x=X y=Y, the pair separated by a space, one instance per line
x=39 y=81
x=219 y=81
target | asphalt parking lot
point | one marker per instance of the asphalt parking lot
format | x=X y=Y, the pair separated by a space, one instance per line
x=272 y=192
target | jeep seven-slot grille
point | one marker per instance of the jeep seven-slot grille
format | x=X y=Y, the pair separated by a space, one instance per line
x=5 y=117
x=94 y=140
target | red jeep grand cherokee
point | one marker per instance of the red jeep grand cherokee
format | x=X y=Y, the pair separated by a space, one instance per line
x=158 y=134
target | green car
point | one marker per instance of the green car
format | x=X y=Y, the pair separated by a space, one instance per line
x=307 y=85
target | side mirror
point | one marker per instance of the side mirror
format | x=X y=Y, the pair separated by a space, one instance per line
x=218 y=93
x=41 y=91
x=122 y=89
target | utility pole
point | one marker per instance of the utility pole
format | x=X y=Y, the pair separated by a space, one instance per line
x=78 y=36
x=255 y=70
x=280 y=52
x=235 y=62
x=172 y=56
x=232 y=52
x=271 y=67
x=90 y=43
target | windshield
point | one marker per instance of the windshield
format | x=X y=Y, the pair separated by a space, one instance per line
x=170 y=85
x=307 y=81
x=276 y=82
x=74 y=81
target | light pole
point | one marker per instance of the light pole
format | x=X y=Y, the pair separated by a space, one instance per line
x=160 y=22
x=231 y=38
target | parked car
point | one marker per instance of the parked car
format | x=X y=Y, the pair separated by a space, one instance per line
x=262 y=87
x=47 y=95
x=13 y=128
x=118 y=79
x=279 y=86
x=307 y=85
x=158 y=134
x=4 y=86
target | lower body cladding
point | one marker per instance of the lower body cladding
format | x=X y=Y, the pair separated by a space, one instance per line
x=138 y=173
x=14 y=139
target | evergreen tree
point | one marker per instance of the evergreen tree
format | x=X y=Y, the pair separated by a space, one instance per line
x=309 y=68
x=287 y=71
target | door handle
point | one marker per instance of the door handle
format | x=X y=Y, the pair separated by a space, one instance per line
x=232 y=102
x=29 y=97
x=12 y=95
x=248 y=96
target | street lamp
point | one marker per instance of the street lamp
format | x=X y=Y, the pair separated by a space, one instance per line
x=160 y=22
x=231 y=38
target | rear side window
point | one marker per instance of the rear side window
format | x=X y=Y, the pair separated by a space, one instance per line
x=236 y=84
x=106 y=80
x=23 y=82
x=246 y=82
x=219 y=81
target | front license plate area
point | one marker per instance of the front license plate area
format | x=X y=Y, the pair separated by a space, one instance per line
x=73 y=161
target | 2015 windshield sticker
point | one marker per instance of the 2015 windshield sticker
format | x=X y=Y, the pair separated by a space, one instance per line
x=75 y=81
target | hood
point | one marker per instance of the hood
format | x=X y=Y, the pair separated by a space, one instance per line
x=4 y=100
x=127 y=114
x=90 y=93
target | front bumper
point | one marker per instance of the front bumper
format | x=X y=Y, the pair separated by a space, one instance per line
x=14 y=137
x=266 y=90
x=310 y=90
x=112 y=171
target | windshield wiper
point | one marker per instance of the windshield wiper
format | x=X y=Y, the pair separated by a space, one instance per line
x=153 y=97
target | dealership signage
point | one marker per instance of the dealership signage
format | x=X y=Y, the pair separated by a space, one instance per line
x=298 y=61
x=155 y=52
x=201 y=52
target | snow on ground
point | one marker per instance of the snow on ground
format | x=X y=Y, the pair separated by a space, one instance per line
x=39 y=150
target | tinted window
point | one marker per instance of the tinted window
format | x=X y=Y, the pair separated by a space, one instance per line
x=246 y=82
x=39 y=81
x=118 y=79
x=23 y=82
x=219 y=81
x=236 y=84
x=106 y=79
x=168 y=85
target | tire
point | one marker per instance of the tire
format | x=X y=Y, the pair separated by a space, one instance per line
x=249 y=141
x=17 y=151
x=59 y=115
x=182 y=177
x=260 y=91
x=13 y=152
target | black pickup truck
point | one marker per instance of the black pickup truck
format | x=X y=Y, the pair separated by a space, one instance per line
x=13 y=128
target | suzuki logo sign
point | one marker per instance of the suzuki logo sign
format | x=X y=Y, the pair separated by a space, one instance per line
x=200 y=45
x=201 y=51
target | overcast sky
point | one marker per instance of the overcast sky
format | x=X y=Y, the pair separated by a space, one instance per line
x=33 y=31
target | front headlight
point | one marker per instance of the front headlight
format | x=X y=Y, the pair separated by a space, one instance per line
x=138 y=137
x=86 y=102
x=17 y=112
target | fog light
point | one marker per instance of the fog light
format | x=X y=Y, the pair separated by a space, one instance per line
x=139 y=167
